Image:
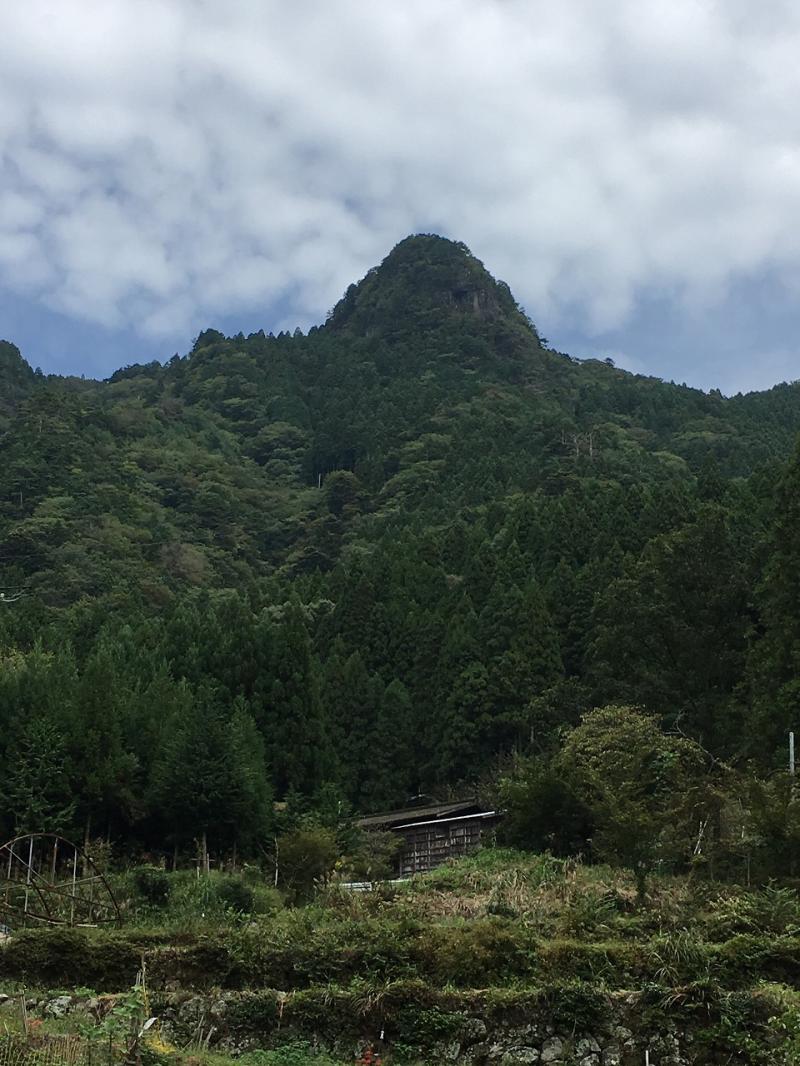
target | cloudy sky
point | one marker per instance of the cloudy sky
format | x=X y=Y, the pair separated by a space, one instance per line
x=631 y=168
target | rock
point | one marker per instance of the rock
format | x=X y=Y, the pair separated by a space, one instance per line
x=552 y=1049
x=612 y=1055
x=218 y=1008
x=475 y=1053
x=59 y=1006
x=474 y=1029
x=520 y=1056
x=587 y=1045
x=94 y=1006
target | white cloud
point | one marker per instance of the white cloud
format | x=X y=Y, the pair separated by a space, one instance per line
x=163 y=162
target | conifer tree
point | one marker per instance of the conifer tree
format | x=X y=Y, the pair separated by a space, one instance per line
x=774 y=664
x=289 y=712
x=390 y=769
x=104 y=773
x=209 y=783
x=35 y=791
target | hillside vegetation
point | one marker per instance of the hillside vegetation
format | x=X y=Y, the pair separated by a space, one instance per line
x=404 y=553
x=488 y=960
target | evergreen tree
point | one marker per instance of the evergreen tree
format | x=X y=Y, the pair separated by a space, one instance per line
x=390 y=773
x=288 y=709
x=774 y=665
x=35 y=789
x=208 y=783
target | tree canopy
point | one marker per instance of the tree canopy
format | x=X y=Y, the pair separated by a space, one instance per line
x=381 y=558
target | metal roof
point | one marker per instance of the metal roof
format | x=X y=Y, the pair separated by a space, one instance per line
x=442 y=821
x=430 y=812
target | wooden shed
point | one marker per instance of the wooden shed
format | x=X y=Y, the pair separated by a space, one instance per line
x=435 y=832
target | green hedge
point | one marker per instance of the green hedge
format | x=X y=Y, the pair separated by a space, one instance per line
x=463 y=954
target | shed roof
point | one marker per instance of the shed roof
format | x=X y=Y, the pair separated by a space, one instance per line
x=430 y=812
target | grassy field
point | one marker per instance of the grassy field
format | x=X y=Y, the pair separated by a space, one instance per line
x=501 y=935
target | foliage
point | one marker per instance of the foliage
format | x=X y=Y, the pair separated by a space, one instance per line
x=153 y=884
x=639 y=785
x=391 y=557
x=305 y=859
x=371 y=856
x=542 y=811
x=232 y=892
x=299 y=1053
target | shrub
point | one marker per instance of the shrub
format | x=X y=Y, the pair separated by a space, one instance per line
x=298 y=1053
x=576 y=1004
x=232 y=892
x=306 y=858
x=266 y=899
x=678 y=957
x=256 y=1012
x=53 y=956
x=372 y=856
x=589 y=912
x=470 y=954
x=771 y=910
x=153 y=884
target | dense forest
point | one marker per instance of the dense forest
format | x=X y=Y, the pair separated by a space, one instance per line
x=405 y=553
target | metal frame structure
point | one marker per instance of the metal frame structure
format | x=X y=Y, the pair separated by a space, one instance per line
x=47 y=880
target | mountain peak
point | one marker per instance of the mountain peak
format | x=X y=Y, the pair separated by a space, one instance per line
x=12 y=366
x=424 y=279
x=16 y=377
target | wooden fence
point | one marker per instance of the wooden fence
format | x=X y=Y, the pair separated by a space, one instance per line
x=55 y=1050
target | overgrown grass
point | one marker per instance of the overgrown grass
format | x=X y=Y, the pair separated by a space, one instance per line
x=554 y=897
x=498 y=934
x=151 y=898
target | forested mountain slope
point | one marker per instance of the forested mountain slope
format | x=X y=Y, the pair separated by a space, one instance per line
x=378 y=557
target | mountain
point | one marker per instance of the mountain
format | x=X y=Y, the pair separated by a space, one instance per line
x=16 y=377
x=426 y=283
x=427 y=384
x=400 y=546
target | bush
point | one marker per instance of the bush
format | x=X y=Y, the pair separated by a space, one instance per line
x=543 y=813
x=470 y=954
x=589 y=913
x=254 y=1013
x=306 y=858
x=52 y=956
x=298 y=1053
x=266 y=899
x=678 y=957
x=773 y=909
x=64 y=957
x=585 y=961
x=153 y=884
x=577 y=1004
x=372 y=857
x=232 y=892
